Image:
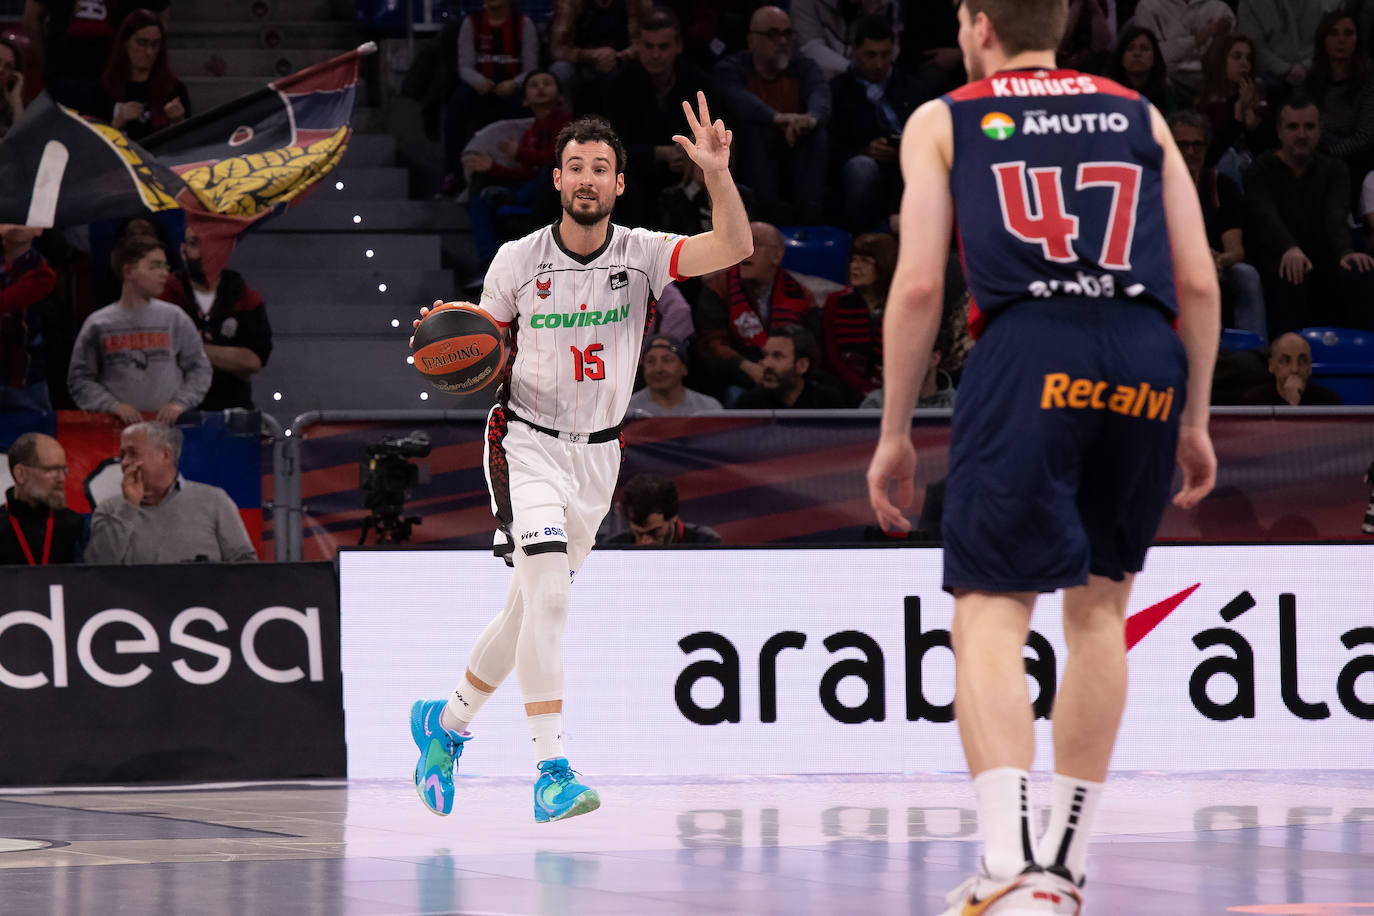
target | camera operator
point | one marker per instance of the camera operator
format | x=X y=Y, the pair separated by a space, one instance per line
x=387 y=479
x=160 y=516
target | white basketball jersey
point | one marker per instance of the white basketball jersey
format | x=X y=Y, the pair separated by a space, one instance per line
x=579 y=321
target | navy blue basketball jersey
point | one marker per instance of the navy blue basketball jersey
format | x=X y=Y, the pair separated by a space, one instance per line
x=1057 y=186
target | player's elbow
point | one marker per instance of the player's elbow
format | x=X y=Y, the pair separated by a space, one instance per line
x=1198 y=289
x=744 y=247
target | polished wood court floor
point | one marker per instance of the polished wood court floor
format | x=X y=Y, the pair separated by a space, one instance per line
x=1171 y=845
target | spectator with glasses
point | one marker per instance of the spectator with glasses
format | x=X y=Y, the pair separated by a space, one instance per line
x=138 y=93
x=779 y=104
x=38 y=528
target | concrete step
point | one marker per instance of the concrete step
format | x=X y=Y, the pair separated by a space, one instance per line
x=321 y=214
x=349 y=374
x=225 y=63
x=375 y=183
x=223 y=34
x=309 y=252
x=316 y=292
x=261 y=11
x=370 y=320
x=212 y=91
x=369 y=149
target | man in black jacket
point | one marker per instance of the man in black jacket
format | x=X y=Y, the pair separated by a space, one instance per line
x=1298 y=199
x=232 y=320
x=38 y=528
x=645 y=106
x=872 y=101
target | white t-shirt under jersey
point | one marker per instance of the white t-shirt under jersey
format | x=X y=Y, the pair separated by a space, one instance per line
x=579 y=321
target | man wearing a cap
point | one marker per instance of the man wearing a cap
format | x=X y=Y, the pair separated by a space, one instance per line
x=664 y=394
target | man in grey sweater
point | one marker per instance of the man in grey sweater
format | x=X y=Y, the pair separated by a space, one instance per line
x=140 y=353
x=160 y=516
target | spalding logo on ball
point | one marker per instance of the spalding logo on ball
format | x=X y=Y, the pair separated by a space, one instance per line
x=458 y=348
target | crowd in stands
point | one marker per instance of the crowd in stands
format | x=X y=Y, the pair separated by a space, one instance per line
x=1270 y=101
x=117 y=317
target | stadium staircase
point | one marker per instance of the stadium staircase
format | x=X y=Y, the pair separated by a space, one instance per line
x=344 y=272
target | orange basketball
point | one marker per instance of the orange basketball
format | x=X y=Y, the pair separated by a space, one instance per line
x=458 y=348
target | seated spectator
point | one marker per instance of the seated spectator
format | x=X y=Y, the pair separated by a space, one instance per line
x=946 y=357
x=26 y=282
x=527 y=162
x=672 y=315
x=872 y=102
x=11 y=84
x=1290 y=364
x=160 y=516
x=778 y=104
x=590 y=41
x=1282 y=30
x=1232 y=99
x=232 y=321
x=788 y=358
x=645 y=106
x=139 y=353
x=1340 y=83
x=1185 y=28
x=650 y=503
x=664 y=395
x=685 y=208
x=138 y=93
x=38 y=528
x=1298 y=238
x=70 y=41
x=1138 y=64
x=497 y=47
x=741 y=306
x=1223 y=213
x=930 y=45
x=827 y=30
x=1088 y=37
x=852 y=319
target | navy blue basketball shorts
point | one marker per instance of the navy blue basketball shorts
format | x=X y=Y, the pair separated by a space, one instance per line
x=1062 y=445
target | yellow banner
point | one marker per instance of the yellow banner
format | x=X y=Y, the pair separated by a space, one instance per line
x=246 y=186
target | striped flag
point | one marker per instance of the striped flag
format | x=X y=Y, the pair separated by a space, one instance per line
x=258 y=155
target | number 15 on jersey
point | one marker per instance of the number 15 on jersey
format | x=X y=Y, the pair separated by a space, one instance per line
x=587 y=365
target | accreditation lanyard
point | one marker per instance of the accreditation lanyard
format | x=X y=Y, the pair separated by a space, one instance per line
x=24 y=542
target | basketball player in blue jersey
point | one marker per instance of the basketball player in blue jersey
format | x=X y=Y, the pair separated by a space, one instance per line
x=576 y=297
x=1083 y=245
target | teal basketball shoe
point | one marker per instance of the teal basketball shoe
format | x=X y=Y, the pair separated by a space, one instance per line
x=439 y=753
x=558 y=794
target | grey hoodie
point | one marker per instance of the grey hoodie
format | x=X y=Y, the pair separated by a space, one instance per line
x=144 y=357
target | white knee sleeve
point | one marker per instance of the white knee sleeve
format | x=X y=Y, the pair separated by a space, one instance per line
x=493 y=655
x=544 y=592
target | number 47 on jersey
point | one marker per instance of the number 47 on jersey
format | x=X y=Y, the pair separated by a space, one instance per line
x=1051 y=225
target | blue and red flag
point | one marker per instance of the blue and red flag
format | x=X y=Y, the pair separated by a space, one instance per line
x=258 y=155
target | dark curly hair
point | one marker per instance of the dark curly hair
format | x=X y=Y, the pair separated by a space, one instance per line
x=590 y=129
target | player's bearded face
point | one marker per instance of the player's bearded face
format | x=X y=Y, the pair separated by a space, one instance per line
x=587 y=183
x=587 y=204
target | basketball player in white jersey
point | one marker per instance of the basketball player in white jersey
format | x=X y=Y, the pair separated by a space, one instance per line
x=575 y=299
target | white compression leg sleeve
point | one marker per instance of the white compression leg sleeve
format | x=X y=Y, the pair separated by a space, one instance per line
x=544 y=592
x=493 y=657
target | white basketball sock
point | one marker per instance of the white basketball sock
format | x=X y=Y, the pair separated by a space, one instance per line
x=1004 y=814
x=547 y=732
x=462 y=706
x=1065 y=843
